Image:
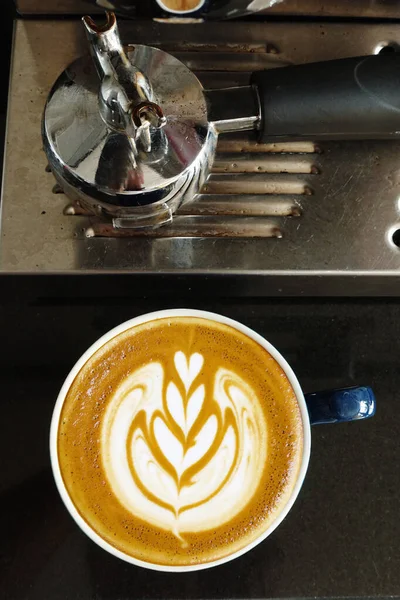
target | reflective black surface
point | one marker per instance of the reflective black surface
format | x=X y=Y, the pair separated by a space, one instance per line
x=341 y=538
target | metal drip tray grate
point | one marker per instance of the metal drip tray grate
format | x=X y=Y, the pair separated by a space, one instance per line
x=299 y=209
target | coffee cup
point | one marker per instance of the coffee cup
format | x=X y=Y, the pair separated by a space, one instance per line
x=180 y=440
x=181 y=7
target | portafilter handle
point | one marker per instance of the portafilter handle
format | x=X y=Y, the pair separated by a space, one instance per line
x=125 y=95
x=349 y=98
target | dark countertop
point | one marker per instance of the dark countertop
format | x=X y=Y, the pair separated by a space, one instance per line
x=342 y=538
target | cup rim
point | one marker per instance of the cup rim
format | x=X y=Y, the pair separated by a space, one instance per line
x=181 y=12
x=80 y=521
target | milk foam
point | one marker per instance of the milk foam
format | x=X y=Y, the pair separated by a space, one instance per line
x=178 y=456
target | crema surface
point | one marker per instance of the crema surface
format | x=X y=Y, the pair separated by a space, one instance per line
x=181 y=4
x=180 y=441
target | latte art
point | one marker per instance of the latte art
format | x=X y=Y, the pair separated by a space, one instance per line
x=185 y=454
x=180 y=441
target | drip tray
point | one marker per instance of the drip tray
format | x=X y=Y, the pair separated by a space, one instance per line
x=301 y=209
x=242 y=198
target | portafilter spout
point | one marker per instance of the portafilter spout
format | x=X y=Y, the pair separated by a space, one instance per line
x=126 y=94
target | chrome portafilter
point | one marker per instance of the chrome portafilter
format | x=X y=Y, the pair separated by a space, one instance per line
x=130 y=133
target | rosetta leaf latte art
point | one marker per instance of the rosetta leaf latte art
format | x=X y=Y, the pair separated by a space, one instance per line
x=184 y=452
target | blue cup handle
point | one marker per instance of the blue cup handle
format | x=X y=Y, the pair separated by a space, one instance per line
x=345 y=404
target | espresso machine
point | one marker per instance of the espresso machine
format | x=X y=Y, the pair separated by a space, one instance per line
x=198 y=169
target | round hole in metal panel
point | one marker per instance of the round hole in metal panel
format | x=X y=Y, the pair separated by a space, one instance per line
x=396 y=237
x=387 y=48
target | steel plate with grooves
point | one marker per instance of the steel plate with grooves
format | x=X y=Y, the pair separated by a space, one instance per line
x=301 y=209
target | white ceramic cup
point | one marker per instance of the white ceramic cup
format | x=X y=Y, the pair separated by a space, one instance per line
x=109 y=336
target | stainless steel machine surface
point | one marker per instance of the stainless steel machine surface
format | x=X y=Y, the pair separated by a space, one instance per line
x=306 y=209
x=382 y=9
x=130 y=133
